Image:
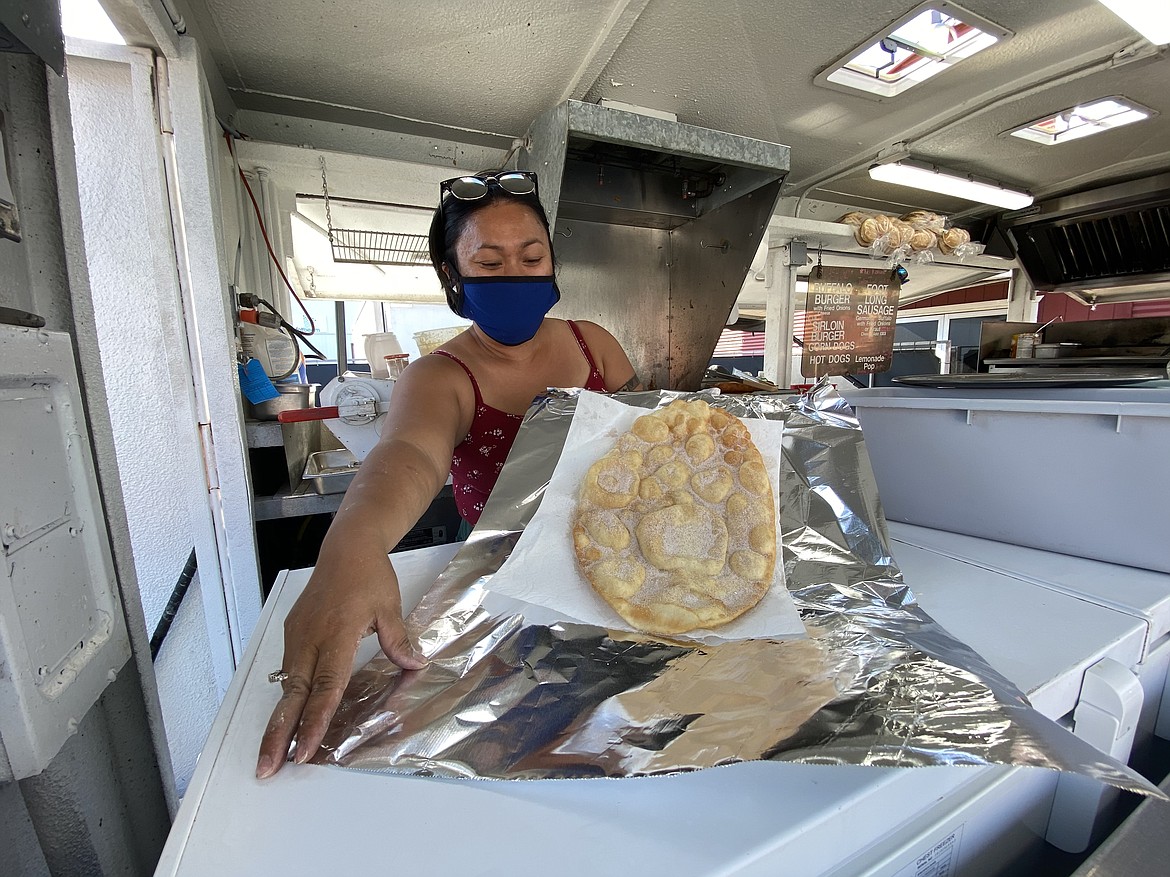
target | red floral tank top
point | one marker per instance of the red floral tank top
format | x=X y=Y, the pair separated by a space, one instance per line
x=478 y=459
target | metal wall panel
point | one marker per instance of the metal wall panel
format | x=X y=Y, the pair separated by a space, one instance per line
x=705 y=278
x=664 y=295
x=656 y=225
x=616 y=276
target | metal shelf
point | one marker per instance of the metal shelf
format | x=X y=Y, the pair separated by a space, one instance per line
x=263 y=433
x=302 y=501
x=1102 y=361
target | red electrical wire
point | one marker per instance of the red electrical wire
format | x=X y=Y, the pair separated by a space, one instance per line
x=263 y=231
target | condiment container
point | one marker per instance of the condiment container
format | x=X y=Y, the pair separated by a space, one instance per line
x=1053 y=351
x=378 y=345
x=1024 y=345
x=277 y=352
x=395 y=363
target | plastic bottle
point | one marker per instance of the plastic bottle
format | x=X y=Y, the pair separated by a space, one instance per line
x=379 y=345
x=277 y=352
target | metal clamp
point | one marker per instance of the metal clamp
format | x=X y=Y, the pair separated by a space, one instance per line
x=358 y=411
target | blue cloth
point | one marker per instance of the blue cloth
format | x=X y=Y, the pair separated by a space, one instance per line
x=255 y=383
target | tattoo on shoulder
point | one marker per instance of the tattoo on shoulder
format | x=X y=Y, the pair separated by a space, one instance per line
x=632 y=384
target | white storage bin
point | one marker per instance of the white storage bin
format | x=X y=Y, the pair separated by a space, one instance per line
x=1084 y=472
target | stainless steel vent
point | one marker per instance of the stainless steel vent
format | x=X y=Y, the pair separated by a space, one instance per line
x=655 y=224
x=1110 y=244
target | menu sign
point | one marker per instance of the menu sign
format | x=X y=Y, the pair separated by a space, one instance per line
x=849 y=321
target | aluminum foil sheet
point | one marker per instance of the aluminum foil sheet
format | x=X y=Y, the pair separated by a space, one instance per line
x=513 y=692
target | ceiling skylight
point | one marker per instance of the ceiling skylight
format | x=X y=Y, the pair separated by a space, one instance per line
x=1083 y=120
x=921 y=44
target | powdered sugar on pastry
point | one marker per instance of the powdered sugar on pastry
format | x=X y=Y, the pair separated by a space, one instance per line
x=676 y=526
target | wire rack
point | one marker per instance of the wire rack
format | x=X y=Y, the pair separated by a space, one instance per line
x=379 y=247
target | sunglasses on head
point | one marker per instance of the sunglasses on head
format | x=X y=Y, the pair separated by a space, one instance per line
x=471 y=188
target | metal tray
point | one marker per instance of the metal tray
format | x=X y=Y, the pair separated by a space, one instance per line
x=330 y=471
x=1032 y=380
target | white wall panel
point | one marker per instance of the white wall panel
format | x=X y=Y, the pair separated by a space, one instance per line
x=137 y=311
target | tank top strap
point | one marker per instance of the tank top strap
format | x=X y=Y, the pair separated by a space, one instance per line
x=584 y=346
x=463 y=365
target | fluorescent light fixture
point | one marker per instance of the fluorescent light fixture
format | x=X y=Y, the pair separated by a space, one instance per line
x=934 y=179
x=87 y=20
x=922 y=43
x=1082 y=120
x=1150 y=18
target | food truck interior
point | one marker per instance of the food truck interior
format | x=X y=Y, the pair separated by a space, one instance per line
x=213 y=264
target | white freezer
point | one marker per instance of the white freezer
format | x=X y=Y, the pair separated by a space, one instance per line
x=745 y=819
x=1141 y=593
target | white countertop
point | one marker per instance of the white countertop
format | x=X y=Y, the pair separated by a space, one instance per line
x=742 y=819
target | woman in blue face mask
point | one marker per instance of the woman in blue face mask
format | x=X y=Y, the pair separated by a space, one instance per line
x=491 y=248
x=454 y=413
x=505 y=294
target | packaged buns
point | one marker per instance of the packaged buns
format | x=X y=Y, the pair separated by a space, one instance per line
x=953 y=238
x=923 y=239
x=885 y=224
x=924 y=219
x=867 y=232
x=900 y=235
x=917 y=232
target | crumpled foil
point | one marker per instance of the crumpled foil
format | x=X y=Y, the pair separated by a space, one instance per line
x=512 y=692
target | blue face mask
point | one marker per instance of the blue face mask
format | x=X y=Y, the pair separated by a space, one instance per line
x=509 y=309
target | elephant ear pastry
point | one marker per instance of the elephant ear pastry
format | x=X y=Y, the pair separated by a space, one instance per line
x=675 y=526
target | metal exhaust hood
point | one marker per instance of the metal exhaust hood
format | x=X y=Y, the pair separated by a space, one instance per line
x=655 y=226
x=1105 y=245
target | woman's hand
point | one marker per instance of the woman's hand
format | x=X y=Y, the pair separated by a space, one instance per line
x=343 y=602
x=353 y=590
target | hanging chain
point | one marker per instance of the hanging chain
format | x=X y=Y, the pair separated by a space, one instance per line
x=325 y=190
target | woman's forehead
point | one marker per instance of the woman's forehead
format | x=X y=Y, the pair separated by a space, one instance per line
x=504 y=223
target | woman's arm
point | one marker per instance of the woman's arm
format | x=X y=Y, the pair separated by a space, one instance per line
x=353 y=590
x=611 y=359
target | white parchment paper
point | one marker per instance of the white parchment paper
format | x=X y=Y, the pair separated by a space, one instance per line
x=542 y=568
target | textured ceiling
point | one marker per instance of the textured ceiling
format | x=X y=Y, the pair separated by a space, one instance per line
x=745 y=66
